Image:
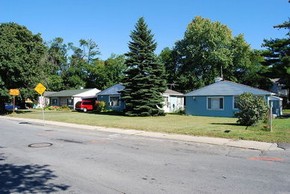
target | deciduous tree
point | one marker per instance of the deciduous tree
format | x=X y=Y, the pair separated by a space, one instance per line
x=209 y=50
x=21 y=59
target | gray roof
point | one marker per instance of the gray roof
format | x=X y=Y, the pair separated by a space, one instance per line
x=227 y=88
x=172 y=93
x=48 y=93
x=65 y=93
x=113 y=90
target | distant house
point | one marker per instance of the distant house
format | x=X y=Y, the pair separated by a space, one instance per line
x=112 y=97
x=43 y=100
x=173 y=101
x=279 y=87
x=219 y=99
x=70 y=97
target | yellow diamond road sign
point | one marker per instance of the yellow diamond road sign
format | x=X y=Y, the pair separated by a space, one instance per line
x=14 y=92
x=40 y=88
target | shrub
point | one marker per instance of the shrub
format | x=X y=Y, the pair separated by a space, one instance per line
x=180 y=111
x=57 y=108
x=65 y=108
x=252 y=109
x=52 y=108
x=100 y=106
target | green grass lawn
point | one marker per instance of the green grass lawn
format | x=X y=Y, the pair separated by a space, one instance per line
x=179 y=124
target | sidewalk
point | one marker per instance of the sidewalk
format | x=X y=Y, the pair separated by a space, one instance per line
x=262 y=146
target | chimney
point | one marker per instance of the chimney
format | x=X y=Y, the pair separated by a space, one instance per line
x=218 y=79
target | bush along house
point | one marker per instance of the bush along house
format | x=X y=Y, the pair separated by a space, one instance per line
x=112 y=97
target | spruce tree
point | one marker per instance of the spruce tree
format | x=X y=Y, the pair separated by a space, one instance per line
x=145 y=77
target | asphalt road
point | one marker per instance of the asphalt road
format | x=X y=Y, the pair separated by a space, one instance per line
x=51 y=159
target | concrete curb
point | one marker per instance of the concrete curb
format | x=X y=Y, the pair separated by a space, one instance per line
x=245 y=144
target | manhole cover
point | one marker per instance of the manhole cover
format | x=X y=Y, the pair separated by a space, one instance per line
x=40 y=145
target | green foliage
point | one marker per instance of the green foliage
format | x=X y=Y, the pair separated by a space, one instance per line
x=100 y=106
x=55 y=83
x=252 y=109
x=52 y=108
x=277 y=57
x=254 y=74
x=58 y=108
x=57 y=55
x=208 y=50
x=106 y=73
x=203 y=51
x=169 y=58
x=80 y=68
x=22 y=59
x=145 y=77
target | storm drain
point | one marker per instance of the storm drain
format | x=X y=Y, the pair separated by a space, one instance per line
x=40 y=145
x=25 y=123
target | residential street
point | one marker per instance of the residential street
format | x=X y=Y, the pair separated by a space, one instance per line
x=53 y=159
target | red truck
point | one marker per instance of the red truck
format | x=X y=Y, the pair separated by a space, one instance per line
x=85 y=105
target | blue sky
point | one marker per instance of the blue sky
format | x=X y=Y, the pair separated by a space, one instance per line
x=110 y=22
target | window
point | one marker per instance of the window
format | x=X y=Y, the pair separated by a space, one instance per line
x=87 y=103
x=236 y=102
x=69 y=102
x=54 y=102
x=216 y=103
x=166 y=103
x=114 y=101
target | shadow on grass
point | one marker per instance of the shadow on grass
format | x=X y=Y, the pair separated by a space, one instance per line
x=20 y=111
x=231 y=124
x=111 y=113
x=285 y=116
x=27 y=179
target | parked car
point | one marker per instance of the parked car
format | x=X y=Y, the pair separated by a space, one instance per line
x=9 y=107
x=85 y=105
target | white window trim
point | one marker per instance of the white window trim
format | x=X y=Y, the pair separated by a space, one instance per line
x=219 y=97
x=234 y=108
x=111 y=101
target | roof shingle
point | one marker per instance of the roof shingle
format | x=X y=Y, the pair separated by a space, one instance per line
x=227 y=88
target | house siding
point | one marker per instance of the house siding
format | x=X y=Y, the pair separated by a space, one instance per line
x=174 y=103
x=106 y=99
x=197 y=105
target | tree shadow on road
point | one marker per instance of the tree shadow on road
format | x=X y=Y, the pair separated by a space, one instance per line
x=27 y=179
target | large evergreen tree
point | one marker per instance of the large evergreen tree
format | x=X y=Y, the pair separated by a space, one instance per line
x=145 y=77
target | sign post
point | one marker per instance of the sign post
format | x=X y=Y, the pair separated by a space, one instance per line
x=14 y=92
x=271 y=116
x=40 y=89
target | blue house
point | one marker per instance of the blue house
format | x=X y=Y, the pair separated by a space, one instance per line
x=112 y=97
x=219 y=99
